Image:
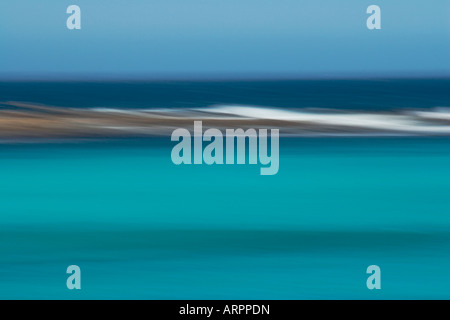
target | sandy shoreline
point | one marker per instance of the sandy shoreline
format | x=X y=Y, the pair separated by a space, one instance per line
x=20 y=121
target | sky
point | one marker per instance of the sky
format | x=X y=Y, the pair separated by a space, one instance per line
x=235 y=38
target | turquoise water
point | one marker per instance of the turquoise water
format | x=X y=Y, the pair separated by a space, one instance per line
x=140 y=227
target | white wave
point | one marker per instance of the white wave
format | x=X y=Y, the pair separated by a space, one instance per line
x=436 y=114
x=400 y=121
x=378 y=121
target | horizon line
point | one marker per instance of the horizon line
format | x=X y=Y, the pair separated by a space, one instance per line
x=114 y=77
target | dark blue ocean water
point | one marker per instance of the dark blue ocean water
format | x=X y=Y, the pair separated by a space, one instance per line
x=336 y=94
x=140 y=227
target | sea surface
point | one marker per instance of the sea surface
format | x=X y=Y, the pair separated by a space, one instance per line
x=140 y=227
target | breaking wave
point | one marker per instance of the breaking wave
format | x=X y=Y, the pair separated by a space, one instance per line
x=37 y=121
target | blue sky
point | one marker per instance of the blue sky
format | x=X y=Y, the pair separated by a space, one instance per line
x=166 y=38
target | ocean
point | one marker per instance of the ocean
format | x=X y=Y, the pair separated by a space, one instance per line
x=140 y=227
